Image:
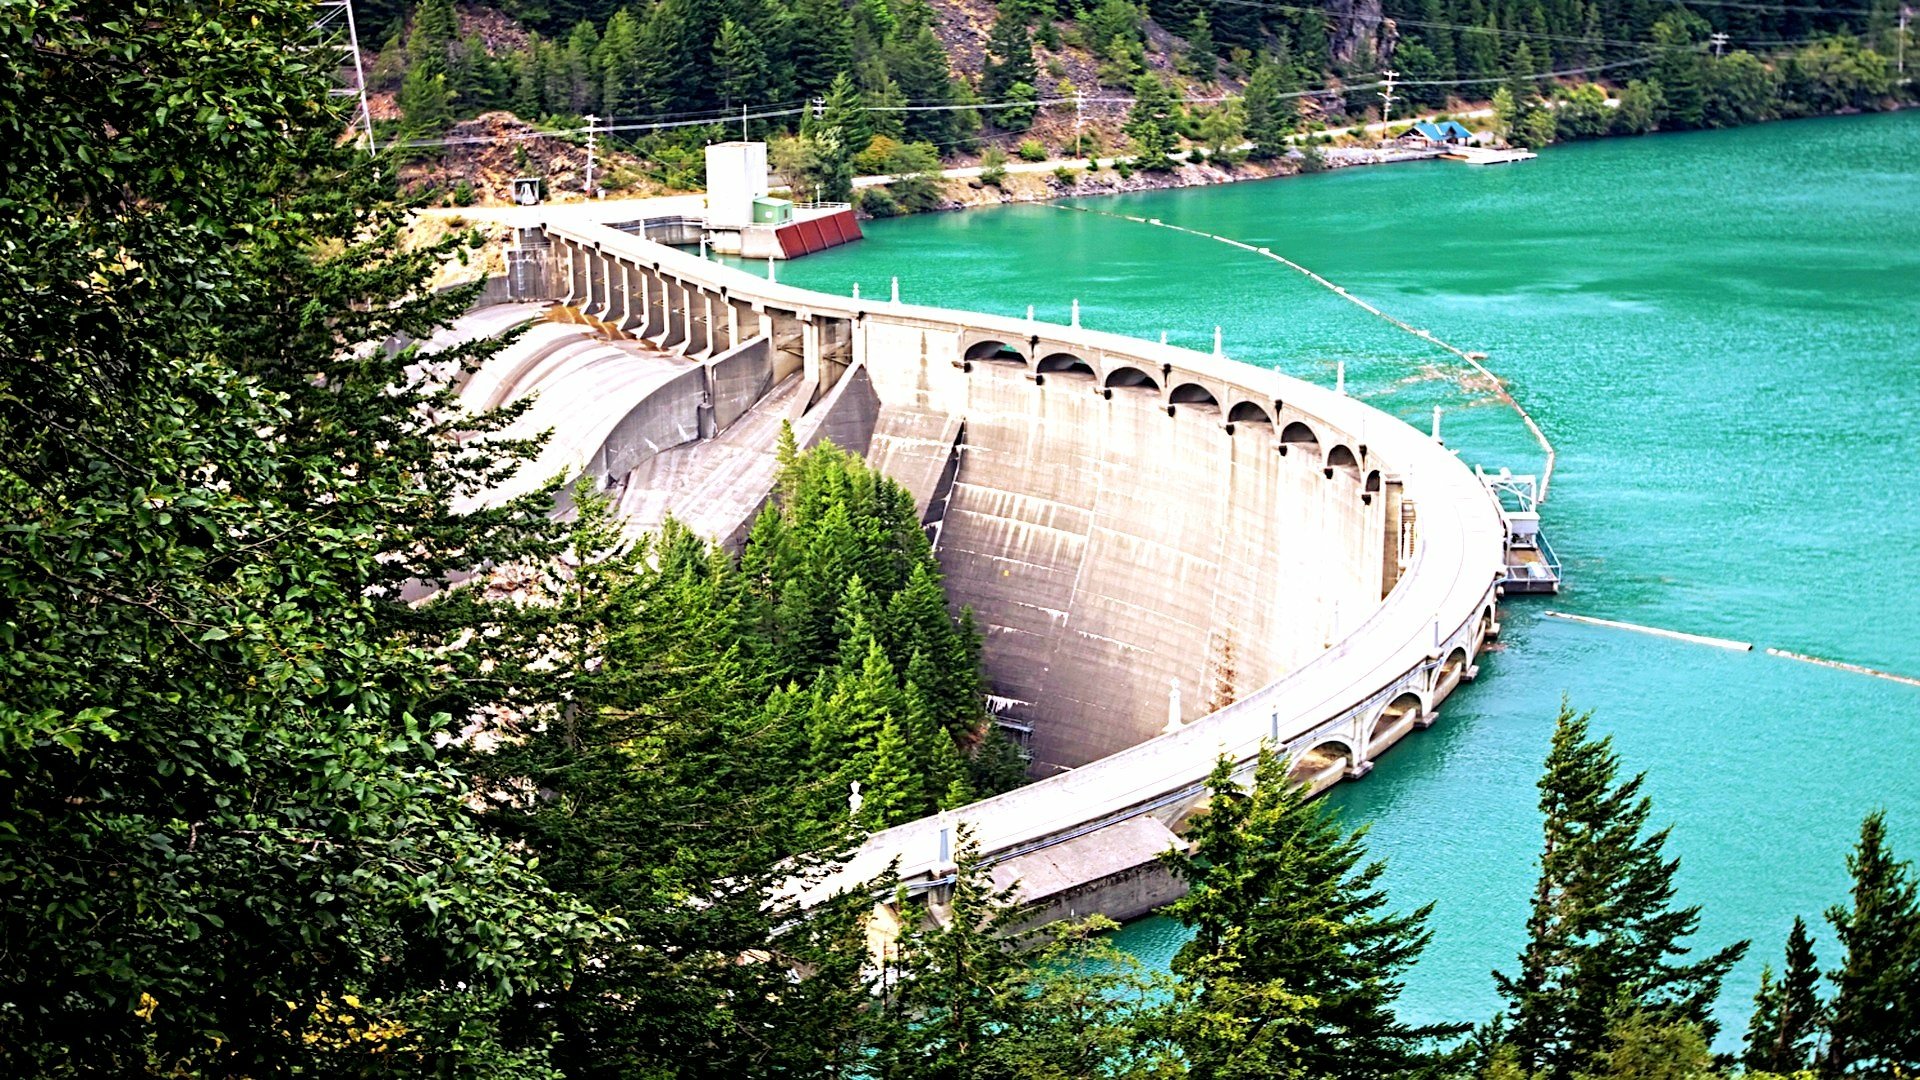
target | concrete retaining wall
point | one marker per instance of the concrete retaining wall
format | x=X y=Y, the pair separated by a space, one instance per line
x=738 y=379
x=668 y=416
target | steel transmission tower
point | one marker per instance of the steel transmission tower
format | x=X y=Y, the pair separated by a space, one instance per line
x=339 y=42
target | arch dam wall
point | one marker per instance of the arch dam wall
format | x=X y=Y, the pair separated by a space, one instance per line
x=1145 y=533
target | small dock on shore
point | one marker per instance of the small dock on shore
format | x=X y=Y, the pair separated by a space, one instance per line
x=1487 y=155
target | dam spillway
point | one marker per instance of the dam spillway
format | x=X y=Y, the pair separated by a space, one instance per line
x=1138 y=527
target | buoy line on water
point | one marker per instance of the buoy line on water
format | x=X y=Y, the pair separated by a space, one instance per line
x=1736 y=646
x=1499 y=384
x=1842 y=665
x=1697 y=639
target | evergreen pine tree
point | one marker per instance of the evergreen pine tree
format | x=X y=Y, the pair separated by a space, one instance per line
x=963 y=982
x=583 y=87
x=1786 y=1013
x=1295 y=963
x=435 y=27
x=1480 y=50
x=1271 y=114
x=675 y=53
x=1438 y=37
x=425 y=100
x=472 y=76
x=1151 y=122
x=272 y=833
x=739 y=65
x=935 y=758
x=1873 y=1023
x=918 y=63
x=818 y=40
x=893 y=790
x=1677 y=68
x=1604 y=939
x=618 y=60
x=856 y=625
x=1520 y=77
x=529 y=81
x=1200 y=58
x=997 y=763
x=1009 y=58
x=556 y=73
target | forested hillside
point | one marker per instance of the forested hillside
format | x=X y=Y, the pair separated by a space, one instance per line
x=951 y=79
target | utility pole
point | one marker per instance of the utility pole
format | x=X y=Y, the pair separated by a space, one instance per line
x=743 y=121
x=1900 y=43
x=591 y=120
x=1386 y=97
x=1719 y=42
x=1079 y=100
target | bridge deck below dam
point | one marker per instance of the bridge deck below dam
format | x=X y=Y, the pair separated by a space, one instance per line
x=1173 y=556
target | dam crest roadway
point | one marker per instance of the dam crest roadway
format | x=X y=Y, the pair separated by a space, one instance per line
x=1138 y=528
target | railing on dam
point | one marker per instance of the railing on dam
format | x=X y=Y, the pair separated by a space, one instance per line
x=1419 y=640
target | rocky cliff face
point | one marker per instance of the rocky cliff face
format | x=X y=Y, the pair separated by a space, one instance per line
x=1356 y=27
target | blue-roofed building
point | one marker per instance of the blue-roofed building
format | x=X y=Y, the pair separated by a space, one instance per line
x=1438 y=133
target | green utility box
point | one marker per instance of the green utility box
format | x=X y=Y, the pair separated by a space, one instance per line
x=770 y=211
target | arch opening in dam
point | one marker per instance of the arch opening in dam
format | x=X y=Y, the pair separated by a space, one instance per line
x=1340 y=459
x=1153 y=591
x=1299 y=434
x=1249 y=412
x=1195 y=395
x=1128 y=377
x=994 y=352
x=1061 y=363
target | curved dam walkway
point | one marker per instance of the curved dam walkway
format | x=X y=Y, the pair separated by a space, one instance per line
x=1173 y=556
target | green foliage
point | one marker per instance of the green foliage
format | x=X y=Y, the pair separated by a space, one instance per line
x=1641 y=1047
x=1537 y=128
x=1835 y=74
x=1678 y=69
x=1009 y=59
x=235 y=845
x=1506 y=113
x=1271 y=113
x=1582 y=113
x=1641 y=104
x=1605 y=940
x=1873 y=1026
x=993 y=167
x=890 y=157
x=1199 y=59
x=741 y=72
x=1295 y=963
x=1152 y=123
x=1787 y=1012
x=1739 y=90
x=1032 y=150
x=1223 y=128
x=974 y=1002
x=426 y=101
x=678 y=57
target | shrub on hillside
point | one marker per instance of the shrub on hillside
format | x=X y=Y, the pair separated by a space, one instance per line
x=1032 y=150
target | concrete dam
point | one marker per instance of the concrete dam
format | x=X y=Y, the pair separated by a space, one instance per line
x=1172 y=555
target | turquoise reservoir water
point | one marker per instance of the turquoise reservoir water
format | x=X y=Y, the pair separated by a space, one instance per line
x=1718 y=331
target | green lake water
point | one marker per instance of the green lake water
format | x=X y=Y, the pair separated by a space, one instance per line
x=1721 y=334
